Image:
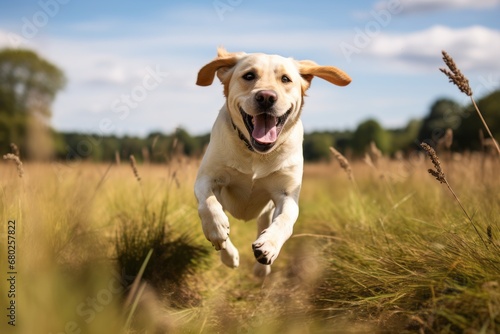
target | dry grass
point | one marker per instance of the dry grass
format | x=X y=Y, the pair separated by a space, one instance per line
x=407 y=262
x=392 y=256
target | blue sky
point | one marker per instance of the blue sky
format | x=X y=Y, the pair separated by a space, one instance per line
x=151 y=52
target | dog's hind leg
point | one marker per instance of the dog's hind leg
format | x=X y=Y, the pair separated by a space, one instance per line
x=230 y=256
x=263 y=222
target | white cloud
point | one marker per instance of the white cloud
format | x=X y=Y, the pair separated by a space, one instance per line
x=425 y=6
x=473 y=48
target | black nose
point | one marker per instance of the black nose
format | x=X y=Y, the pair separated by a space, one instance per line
x=266 y=98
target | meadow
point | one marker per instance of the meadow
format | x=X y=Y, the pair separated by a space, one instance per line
x=100 y=249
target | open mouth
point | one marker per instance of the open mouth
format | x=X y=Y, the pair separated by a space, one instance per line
x=264 y=129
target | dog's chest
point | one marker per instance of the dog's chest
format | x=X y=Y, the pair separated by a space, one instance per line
x=253 y=168
x=244 y=196
x=242 y=183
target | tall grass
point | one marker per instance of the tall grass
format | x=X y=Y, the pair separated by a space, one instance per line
x=83 y=231
x=173 y=258
x=392 y=253
x=416 y=265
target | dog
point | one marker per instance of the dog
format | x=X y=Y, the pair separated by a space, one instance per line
x=252 y=167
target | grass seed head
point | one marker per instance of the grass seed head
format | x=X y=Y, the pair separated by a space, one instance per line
x=14 y=149
x=455 y=75
x=343 y=162
x=368 y=160
x=489 y=233
x=133 y=164
x=374 y=152
x=438 y=173
x=17 y=161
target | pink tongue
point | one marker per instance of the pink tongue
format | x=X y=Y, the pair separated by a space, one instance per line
x=264 y=130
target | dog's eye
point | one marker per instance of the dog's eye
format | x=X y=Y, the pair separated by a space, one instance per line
x=249 y=76
x=285 y=79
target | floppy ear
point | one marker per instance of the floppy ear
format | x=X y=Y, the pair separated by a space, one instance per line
x=309 y=69
x=220 y=65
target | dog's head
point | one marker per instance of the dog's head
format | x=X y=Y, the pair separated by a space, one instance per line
x=265 y=92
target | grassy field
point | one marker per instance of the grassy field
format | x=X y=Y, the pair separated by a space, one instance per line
x=390 y=252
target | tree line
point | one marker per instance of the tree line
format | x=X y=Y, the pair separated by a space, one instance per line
x=443 y=114
x=29 y=84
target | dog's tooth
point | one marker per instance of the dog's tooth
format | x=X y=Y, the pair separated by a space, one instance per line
x=253 y=120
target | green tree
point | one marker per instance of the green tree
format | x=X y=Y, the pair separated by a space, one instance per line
x=187 y=144
x=316 y=146
x=403 y=139
x=367 y=131
x=467 y=134
x=28 y=86
x=444 y=114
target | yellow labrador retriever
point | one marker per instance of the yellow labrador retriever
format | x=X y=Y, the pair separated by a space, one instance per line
x=253 y=164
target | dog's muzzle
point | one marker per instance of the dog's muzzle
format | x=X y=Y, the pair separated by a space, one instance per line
x=264 y=129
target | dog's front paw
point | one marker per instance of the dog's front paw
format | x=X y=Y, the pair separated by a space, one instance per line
x=265 y=250
x=217 y=233
x=230 y=256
